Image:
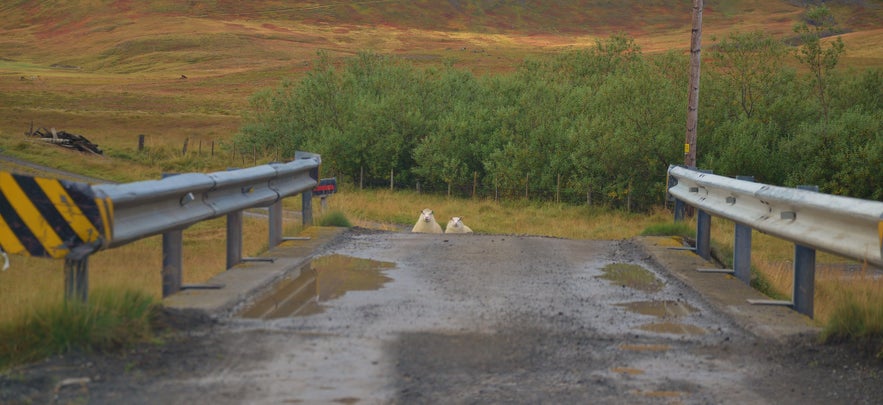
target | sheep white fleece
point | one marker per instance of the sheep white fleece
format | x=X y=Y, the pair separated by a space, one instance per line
x=426 y=223
x=456 y=225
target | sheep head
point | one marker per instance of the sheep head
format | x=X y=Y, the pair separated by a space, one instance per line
x=427 y=216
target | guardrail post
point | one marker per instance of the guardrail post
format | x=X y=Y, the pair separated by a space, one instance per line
x=76 y=279
x=307 y=207
x=275 y=214
x=742 y=247
x=742 y=253
x=172 y=259
x=804 y=279
x=703 y=234
x=804 y=274
x=680 y=210
x=234 y=239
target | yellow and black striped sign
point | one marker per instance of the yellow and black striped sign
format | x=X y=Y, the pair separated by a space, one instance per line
x=49 y=217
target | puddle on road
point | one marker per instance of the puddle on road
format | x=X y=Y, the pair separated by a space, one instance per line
x=327 y=278
x=627 y=370
x=665 y=309
x=671 y=395
x=644 y=347
x=632 y=276
x=660 y=309
x=673 y=328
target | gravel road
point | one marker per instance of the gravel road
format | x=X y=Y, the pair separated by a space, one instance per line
x=469 y=319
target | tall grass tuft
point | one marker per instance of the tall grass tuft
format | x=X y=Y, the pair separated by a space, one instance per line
x=856 y=313
x=680 y=228
x=108 y=321
x=335 y=218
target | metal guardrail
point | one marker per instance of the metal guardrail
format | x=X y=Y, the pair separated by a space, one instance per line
x=148 y=208
x=844 y=226
x=61 y=219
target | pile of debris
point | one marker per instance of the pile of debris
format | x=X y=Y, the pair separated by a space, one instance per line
x=65 y=139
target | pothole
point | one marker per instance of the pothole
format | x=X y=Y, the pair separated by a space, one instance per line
x=326 y=278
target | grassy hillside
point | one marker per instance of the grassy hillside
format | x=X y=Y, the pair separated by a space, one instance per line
x=111 y=70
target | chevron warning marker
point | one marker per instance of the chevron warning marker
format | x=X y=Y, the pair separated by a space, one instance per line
x=49 y=217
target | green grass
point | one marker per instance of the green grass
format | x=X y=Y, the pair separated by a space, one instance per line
x=853 y=320
x=335 y=218
x=680 y=228
x=108 y=321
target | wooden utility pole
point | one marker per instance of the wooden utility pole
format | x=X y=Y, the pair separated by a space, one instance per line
x=693 y=100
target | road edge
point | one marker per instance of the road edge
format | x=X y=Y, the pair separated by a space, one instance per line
x=248 y=280
x=725 y=292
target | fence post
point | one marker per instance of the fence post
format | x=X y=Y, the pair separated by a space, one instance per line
x=804 y=273
x=526 y=186
x=140 y=142
x=558 y=190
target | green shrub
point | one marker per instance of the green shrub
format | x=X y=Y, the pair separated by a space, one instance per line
x=335 y=218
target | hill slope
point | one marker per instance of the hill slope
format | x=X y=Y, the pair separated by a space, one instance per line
x=173 y=70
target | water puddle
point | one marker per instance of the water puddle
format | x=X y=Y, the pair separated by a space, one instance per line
x=327 y=278
x=632 y=276
x=660 y=309
x=627 y=371
x=671 y=395
x=673 y=328
x=644 y=347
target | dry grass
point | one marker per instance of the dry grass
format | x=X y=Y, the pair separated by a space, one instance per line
x=33 y=282
x=837 y=278
x=399 y=211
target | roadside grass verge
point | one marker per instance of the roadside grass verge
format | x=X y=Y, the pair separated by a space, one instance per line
x=856 y=314
x=111 y=319
x=682 y=228
x=399 y=210
x=848 y=302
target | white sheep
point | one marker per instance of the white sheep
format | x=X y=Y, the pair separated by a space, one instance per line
x=426 y=223
x=456 y=225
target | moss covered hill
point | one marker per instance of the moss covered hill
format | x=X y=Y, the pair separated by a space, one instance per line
x=176 y=70
x=130 y=36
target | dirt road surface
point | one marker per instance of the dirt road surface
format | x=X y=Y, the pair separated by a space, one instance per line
x=454 y=319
